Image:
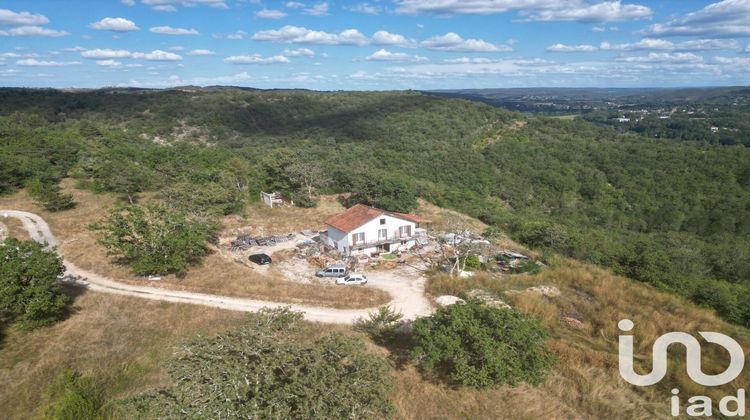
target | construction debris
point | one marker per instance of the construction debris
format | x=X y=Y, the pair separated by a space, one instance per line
x=245 y=242
x=447 y=300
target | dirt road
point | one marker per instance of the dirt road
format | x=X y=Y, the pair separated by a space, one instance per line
x=407 y=290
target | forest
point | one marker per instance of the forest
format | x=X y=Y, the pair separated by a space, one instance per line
x=673 y=214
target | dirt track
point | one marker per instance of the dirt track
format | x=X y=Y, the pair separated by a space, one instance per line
x=406 y=288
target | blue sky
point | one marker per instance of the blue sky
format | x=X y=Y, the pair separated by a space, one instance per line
x=386 y=44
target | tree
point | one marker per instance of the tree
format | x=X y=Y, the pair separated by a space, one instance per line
x=29 y=292
x=266 y=369
x=383 y=191
x=49 y=196
x=482 y=346
x=307 y=177
x=154 y=238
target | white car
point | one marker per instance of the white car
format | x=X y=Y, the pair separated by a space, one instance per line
x=353 y=278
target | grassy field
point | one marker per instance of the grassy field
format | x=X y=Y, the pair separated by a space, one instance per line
x=218 y=273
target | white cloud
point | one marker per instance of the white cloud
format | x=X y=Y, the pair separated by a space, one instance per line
x=201 y=52
x=128 y=2
x=17 y=55
x=644 y=44
x=662 y=58
x=270 y=14
x=388 y=38
x=77 y=48
x=664 y=45
x=294 y=5
x=256 y=59
x=319 y=9
x=544 y=10
x=454 y=42
x=724 y=18
x=299 y=52
x=158 y=55
x=598 y=29
x=301 y=35
x=109 y=63
x=9 y=17
x=117 y=24
x=607 y=11
x=571 y=48
x=41 y=63
x=27 y=31
x=385 y=55
x=237 y=35
x=168 y=30
x=103 y=53
x=176 y=48
x=217 y=4
x=167 y=8
x=747 y=49
x=365 y=8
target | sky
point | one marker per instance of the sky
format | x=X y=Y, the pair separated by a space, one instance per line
x=374 y=45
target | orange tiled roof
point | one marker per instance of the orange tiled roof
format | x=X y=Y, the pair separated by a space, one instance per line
x=359 y=214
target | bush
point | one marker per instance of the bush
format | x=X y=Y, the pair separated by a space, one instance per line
x=49 y=196
x=29 y=292
x=73 y=398
x=471 y=262
x=155 y=239
x=481 y=346
x=265 y=369
x=380 y=325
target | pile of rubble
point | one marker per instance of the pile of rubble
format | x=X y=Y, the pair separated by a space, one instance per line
x=245 y=242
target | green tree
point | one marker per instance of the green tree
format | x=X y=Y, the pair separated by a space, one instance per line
x=29 y=292
x=385 y=192
x=265 y=369
x=154 y=238
x=49 y=196
x=481 y=346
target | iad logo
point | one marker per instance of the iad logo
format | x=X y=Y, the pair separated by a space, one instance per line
x=700 y=405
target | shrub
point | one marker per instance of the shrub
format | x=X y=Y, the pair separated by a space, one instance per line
x=481 y=346
x=29 y=292
x=265 y=369
x=471 y=262
x=73 y=397
x=49 y=196
x=155 y=239
x=380 y=325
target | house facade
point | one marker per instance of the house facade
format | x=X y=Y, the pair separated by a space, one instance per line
x=366 y=230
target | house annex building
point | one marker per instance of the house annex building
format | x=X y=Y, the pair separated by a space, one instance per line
x=366 y=230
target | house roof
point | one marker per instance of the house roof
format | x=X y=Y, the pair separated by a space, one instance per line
x=359 y=214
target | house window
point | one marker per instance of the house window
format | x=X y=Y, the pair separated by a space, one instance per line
x=404 y=231
x=382 y=221
x=358 y=238
x=382 y=234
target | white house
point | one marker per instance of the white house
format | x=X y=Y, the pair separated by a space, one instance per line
x=365 y=230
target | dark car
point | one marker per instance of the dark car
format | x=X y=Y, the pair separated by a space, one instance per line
x=260 y=259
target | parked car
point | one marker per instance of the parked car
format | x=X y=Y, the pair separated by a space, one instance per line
x=260 y=259
x=353 y=278
x=332 y=271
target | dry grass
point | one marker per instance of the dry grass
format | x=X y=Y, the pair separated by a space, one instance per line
x=586 y=378
x=121 y=342
x=262 y=220
x=15 y=228
x=218 y=273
